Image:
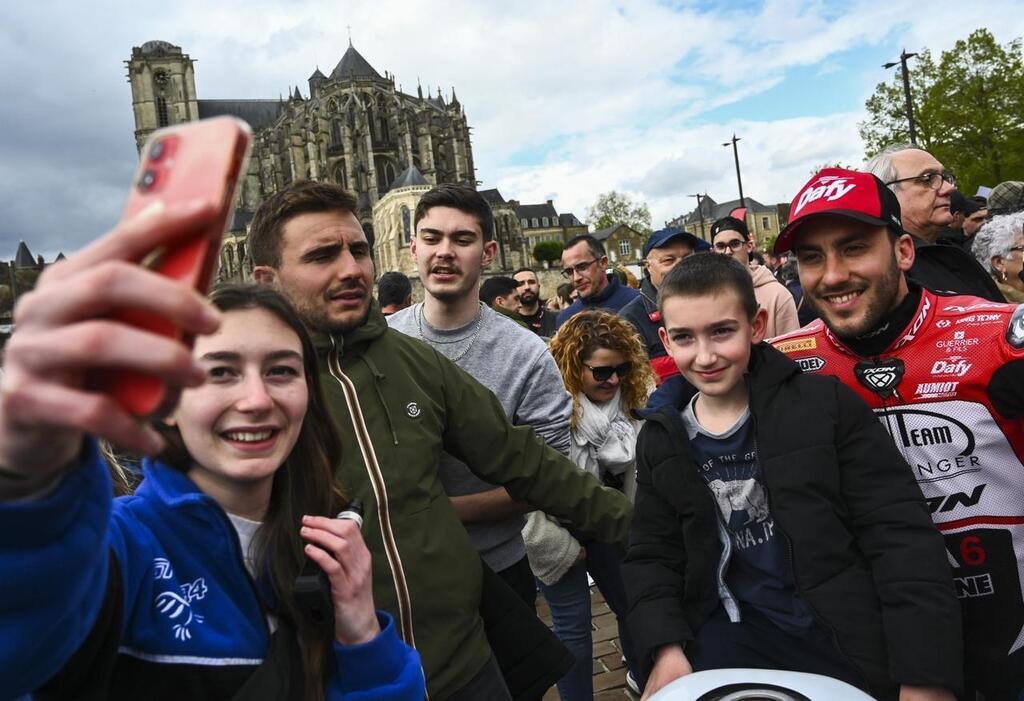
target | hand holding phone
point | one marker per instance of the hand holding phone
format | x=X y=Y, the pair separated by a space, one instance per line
x=198 y=161
x=64 y=331
x=78 y=328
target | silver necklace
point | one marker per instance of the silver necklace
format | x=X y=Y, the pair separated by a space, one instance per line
x=472 y=337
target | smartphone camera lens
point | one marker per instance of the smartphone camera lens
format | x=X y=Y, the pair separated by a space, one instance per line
x=147 y=180
x=156 y=151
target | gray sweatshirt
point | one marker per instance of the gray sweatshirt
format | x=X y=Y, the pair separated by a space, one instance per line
x=515 y=364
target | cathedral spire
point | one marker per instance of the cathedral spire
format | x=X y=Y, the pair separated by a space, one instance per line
x=352 y=64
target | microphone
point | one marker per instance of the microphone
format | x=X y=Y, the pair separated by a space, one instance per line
x=312 y=590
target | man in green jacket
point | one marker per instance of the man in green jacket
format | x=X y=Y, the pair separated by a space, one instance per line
x=398 y=404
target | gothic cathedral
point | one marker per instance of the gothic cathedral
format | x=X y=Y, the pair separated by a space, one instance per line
x=355 y=128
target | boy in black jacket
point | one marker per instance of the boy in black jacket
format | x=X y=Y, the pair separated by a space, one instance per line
x=775 y=524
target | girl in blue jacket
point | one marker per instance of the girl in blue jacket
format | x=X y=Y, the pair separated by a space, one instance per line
x=184 y=589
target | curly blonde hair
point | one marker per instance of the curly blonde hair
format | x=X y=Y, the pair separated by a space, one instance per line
x=584 y=333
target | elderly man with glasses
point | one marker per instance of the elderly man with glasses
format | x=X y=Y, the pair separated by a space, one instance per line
x=923 y=187
x=584 y=263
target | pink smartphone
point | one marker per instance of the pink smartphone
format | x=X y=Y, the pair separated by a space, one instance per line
x=194 y=161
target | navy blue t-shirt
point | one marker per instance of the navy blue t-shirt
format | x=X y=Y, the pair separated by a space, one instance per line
x=759 y=572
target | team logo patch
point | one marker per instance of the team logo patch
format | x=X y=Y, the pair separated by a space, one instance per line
x=413 y=410
x=1015 y=331
x=798 y=344
x=882 y=377
x=178 y=606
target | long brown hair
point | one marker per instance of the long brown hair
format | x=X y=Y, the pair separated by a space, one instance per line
x=584 y=333
x=303 y=484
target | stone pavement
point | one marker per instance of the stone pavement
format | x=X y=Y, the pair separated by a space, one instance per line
x=609 y=672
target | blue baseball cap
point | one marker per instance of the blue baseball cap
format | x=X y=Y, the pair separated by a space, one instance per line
x=663 y=236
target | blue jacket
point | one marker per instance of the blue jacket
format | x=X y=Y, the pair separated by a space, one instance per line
x=147 y=596
x=612 y=298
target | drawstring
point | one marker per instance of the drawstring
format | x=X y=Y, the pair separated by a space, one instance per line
x=377 y=377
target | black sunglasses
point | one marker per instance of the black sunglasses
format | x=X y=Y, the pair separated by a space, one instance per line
x=604 y=372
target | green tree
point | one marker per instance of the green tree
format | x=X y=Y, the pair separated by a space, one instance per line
x=968 y=109
x=613 y=208
x=547 y=251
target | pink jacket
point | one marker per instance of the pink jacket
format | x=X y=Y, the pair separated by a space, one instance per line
x=773 y=297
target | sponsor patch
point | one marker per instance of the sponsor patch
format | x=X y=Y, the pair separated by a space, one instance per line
x=974 y=586
x=797 y=344
x=960 y=341
x=953 y=366
x=811 y=364
x=936 y=390
x=978 y=319
x=943 y=323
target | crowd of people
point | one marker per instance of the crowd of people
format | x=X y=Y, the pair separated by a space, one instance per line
x=804 y=459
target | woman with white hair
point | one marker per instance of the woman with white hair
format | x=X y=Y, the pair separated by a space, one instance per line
x=999 y=247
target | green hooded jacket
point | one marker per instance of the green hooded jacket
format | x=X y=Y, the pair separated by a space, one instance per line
x=397 y=403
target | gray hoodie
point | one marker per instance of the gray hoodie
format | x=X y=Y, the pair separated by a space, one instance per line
x=515 y=364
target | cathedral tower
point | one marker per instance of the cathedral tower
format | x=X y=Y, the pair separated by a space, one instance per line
x=163 y=88
x=355 y=128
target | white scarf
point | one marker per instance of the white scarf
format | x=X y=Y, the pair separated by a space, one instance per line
x=604 y=439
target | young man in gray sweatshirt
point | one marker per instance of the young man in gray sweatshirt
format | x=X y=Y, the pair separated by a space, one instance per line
x=453 y=243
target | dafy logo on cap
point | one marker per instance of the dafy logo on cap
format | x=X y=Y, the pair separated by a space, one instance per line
x=830 y=187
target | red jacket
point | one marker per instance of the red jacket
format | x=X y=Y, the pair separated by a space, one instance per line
x=950 y=391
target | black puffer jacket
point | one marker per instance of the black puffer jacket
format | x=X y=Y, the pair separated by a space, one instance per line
x=864 y=552
x=943 y=268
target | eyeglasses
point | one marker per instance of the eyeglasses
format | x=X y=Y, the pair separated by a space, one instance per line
x=933 y=180
x=604 y=372
x=734 y=245
x=578 y=269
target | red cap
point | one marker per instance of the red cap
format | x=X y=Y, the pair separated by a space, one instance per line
x=844 y=193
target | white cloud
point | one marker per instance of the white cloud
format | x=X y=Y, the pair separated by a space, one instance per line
x=600 y=94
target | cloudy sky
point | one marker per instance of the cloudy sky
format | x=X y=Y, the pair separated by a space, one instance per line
x=566 y=99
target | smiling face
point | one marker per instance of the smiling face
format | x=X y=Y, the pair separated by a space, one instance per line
x=601 y=390
x=660 y=260
x=709 y=337
x=326 y=271
x=852 y=272
x=925 y=211
x=450 y=253
x=241 y=424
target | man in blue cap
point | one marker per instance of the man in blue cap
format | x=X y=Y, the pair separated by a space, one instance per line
x=662 y=252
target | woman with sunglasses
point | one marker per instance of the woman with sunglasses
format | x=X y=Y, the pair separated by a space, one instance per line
x=605 y=369
x=184 y=589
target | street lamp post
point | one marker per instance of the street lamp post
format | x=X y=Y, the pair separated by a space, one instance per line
x=906 y=91
x=700 y=214
x=736 y=157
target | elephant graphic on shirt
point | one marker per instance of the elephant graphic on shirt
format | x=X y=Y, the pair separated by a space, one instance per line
x=740 y=495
